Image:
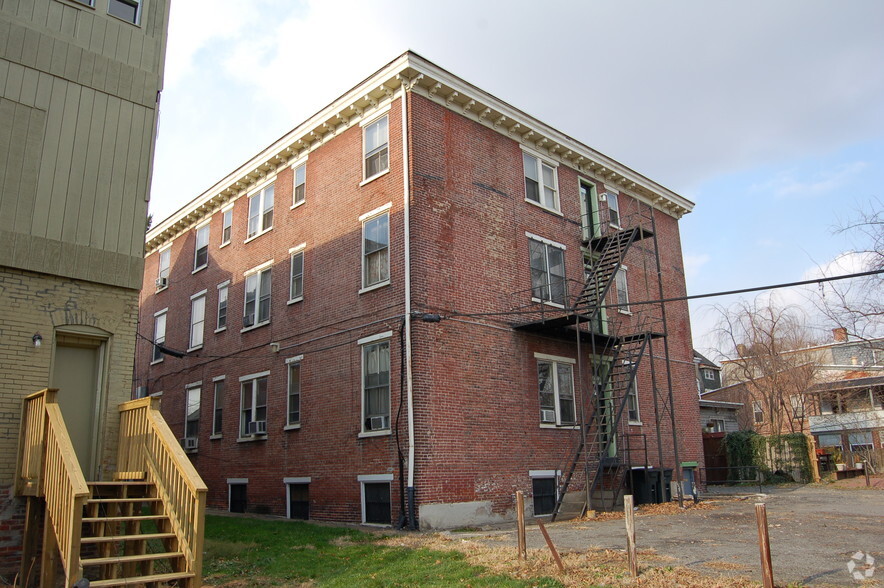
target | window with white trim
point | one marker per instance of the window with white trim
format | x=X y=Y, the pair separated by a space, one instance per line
x=632 y=412
x=757 y=412
x=621 y=285
x=544 y=490
x=256 y=309
x=90 y=3
x=547 y=271
x=376 y=147
x=222 y=305
x=192 y=410
x=299 y=190
x=226 y=226
x=541 y=183
x=376 y=502
x=796 y=401
x=253 y=405
x=376 y=386
x=164 y=265
x=860 y=441
x=708 y=374
x=829 y=440
x=376 y=250
x=294 y=391
x=298 y=494
x=197 y=319
x=128 y=10
x=218 y=406
x=260 y=211
x=159 y=334
x=555 y=378
x=296 y=285
x=201 y=249
x=613 y=209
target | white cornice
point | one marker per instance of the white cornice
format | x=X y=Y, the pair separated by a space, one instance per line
x=377 y=92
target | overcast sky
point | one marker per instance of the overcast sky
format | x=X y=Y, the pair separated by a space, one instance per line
x=768 y=115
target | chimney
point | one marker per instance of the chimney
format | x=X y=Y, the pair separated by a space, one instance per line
x=840 y=334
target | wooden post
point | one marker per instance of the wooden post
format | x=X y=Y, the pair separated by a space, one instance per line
x=520 y=527
x=764 y=545
x=552 y=548
x=814 y=461
x=866 y=472
x=630 y=534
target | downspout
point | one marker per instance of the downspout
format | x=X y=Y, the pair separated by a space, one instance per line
x=406 y=196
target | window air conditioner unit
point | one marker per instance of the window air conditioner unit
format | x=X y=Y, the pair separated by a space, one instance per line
x=378 y=423
x=162 y=282
x=258 y=428
x=548 y=416
x=189 y=443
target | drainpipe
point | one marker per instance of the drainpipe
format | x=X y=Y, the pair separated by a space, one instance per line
x=406 y=195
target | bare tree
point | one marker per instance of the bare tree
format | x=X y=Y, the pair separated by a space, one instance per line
x=768 y=351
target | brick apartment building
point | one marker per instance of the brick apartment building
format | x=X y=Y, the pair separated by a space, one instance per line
x=392 y=314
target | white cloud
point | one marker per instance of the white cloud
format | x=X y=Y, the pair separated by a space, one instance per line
x=788 y=183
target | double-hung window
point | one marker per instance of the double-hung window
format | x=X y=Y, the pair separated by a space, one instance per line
x=226 y=225
x=296 y=283
x=256 y=309
x=757 y=412
x=555 y=378
x=128 y=10
x=632 y=413
x=376 y=147
x=192 y=411
x=164 y=262
x=376 y=250
x=253 y=405
x=218 y=406
x=159 y=334
x=622 y=290
x=613 y=209
x=260 y=211
x=376 y=383
x=796 y=401
x=294 y=391
x=201 y=250
x=708 y=374
x=547 y=270
x=541 y=184
x=197 y=319
x=299 y=190
x=222 y=306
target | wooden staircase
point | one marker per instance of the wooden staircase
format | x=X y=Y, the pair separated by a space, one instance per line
x=127 y=540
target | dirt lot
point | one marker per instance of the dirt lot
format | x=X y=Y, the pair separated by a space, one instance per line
x=814 y=532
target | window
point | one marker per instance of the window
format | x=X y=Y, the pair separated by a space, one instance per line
x=90 y=3
x=238 y=492
x=226 y=226
x=197 y=319
x=547 y=271
x=757 y=412
x=708 y=374
x=555 y=377
x=299 y=192
x=159 y=334
x=861 y=441
x=376 y=142
x=164 y=263
x=541 y=186
x=716 y=426
x=128 y=10
x=253 y=405
x=192 y=411
x=376 y=384
x=218 y=408
x=877 y=398
x=201 y=251
x=829 y=440
x=544 y=490
x=797 y=403
x=260 y=211
x=376 y=499
x=222 y=306
x=256 y=310
x=622 y=290
x=632 y=412
x=376 y=250
x=613 y=209
x=296 y=286
x=298 y=490
x=294 y=391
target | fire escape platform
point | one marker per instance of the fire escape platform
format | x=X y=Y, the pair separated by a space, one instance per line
x=562 y=327
x=599 y=243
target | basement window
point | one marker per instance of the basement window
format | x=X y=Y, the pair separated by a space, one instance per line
x=543 y=486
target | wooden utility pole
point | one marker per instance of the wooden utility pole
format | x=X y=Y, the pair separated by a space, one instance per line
x=630 y=534
x=814 y=461
x=520 y=530
x=764 y=545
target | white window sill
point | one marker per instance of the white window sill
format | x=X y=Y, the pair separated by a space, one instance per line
x=618 y=227
x=161 y=289
x=224 y=244
x=548 y=303
x=156 y=361
x=198 y=269
x=215 y=436
x=258 y=234
x=636 y=424
x=251 y=438
x=627 y=312
x=542 y=207
x=257 y=326
x=384 y=433
x=297 y=204
x=376 y=525
x=374 y=287
x=294 y=300
x=563 y=427
x=374 y=177
x=293 y=427
x=190 y=451
x=220 y=330
x=195 y=348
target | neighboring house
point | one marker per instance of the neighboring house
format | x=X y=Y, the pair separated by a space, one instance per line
x=79 y=86
x=394 y=314
x=708 y=373
x=719 y=416
x=851 y=410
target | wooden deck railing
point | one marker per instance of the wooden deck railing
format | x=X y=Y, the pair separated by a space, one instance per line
x=48 y=466
x=148 y=445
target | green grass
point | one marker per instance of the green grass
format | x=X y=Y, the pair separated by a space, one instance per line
x=252 y=552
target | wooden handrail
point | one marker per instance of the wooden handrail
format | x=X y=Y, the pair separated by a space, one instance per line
x=148 y=445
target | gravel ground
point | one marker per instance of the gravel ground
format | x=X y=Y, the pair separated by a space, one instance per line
x=814 y=531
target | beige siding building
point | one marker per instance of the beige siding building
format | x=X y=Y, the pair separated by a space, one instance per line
x=79 y=87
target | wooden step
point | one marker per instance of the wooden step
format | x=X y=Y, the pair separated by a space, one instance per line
x=139 y=580
x=154 y=517
x=122 y=500
x=141 y=537
x=100 y=561
x=120 y=483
